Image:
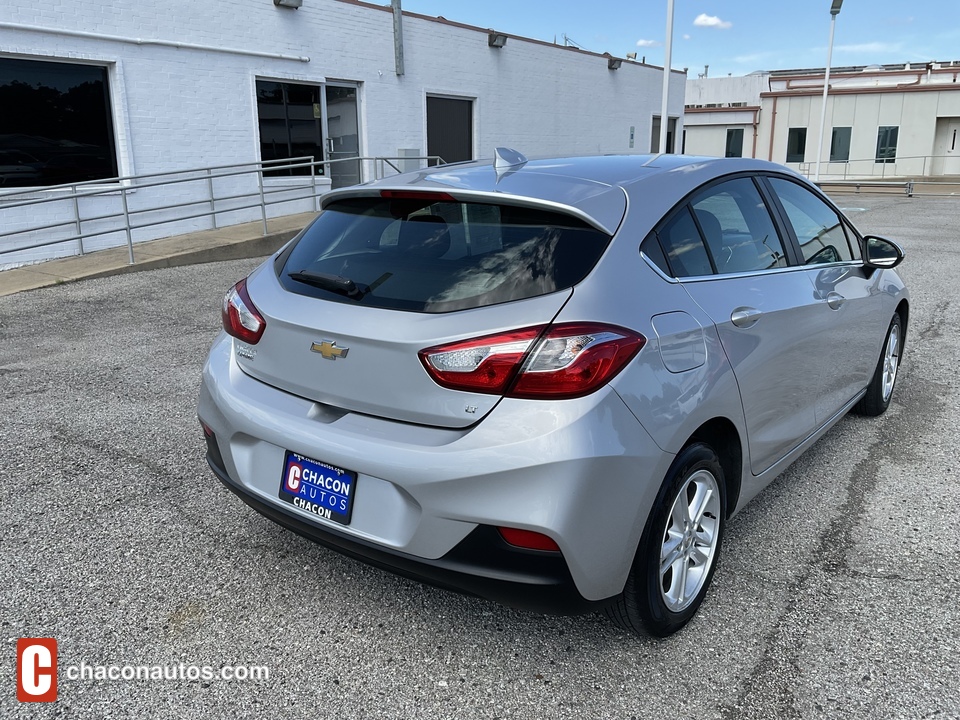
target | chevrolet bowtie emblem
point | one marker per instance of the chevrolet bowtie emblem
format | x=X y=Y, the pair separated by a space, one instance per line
x=328 y=350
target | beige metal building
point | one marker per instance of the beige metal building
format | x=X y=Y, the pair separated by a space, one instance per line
x=881 y=121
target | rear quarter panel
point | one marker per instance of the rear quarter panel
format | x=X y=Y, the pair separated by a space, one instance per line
x=625 y=290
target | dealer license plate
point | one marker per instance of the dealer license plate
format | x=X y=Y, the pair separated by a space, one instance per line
x=318 y=488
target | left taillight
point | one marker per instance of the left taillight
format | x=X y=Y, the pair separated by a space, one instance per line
x=240 y=316
x=556 y=362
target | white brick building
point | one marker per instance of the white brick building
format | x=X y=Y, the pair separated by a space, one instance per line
x=190 y=84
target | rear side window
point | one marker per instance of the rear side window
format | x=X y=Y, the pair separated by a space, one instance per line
x=818 y=228
x=438 y=256
x=683 y=246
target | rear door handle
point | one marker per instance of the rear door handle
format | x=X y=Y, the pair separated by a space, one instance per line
x=835 y=300
x=744 y=317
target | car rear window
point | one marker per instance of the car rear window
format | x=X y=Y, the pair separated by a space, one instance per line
x=438 y=256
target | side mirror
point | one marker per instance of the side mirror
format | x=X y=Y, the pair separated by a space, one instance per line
x=881 y=253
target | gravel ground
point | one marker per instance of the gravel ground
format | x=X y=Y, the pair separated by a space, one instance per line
x=836 y=595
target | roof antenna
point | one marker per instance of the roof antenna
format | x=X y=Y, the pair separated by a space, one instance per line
x=508 y=158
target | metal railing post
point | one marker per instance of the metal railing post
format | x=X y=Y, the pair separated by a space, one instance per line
x=76 y=217
x=263 y=202
x=126 y=221
x=213 y=201
x=313 y=187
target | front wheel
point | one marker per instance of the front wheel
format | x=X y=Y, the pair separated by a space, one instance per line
x=678 y=550
x=880 y=389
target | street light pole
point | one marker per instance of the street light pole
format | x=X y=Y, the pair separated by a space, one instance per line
x=668 y=46
x=834 y=11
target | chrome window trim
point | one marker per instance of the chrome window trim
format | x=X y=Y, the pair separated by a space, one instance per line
x=748 y=273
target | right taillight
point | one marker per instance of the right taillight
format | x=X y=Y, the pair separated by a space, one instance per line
x=240 y=316
x=557 y=362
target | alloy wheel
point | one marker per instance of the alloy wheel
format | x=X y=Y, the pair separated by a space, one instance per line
x=690 y=540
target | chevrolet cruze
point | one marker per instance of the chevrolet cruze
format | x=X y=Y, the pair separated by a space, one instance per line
x=552 y=382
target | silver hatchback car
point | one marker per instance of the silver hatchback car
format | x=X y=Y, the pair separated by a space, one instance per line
x=550 y=383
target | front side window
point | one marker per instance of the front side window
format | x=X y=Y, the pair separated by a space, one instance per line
x=291 y=118
x=55 y=124
x=887 y=143
x=738 y=228
x=818 y=228
x=796 y=144
x=438 y=255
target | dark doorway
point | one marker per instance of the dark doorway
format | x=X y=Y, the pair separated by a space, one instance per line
x=343 y=134
x=450 y=128
x=655 y=134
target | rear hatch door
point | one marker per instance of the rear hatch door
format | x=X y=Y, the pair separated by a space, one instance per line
x=349 y=306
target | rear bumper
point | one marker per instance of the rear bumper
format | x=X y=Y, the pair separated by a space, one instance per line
x=582 y=472
x=482 y=564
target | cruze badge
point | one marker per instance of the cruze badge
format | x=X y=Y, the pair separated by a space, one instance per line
x=328 y=350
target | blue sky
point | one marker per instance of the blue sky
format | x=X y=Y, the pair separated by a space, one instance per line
x=732 y=37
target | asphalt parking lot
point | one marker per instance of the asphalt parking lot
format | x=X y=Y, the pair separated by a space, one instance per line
x=837 y=594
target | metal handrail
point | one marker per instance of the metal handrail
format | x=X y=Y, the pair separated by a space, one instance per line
x=920 y=166
x=910 y=187
x=293 y=188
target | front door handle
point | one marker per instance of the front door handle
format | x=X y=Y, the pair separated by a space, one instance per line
x=744 y=317
x=835 y=300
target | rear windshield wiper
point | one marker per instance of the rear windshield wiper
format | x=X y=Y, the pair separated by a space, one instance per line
x=325 y=281
x=337 y=283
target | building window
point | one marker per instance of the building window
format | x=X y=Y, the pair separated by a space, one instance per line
x=796 y=144
x=887 y=143
x=62 y=129
x=734 y=142
x=291 y=123
x=840 y=145
x=450 y=129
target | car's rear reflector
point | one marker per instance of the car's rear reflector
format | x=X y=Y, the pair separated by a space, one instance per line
x=528 y=539
x=240 y=316
x=557 y=362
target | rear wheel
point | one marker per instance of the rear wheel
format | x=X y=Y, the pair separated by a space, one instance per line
x=678 y=550
x=880 y=389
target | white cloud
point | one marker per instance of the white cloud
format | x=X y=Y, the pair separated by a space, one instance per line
x=686 y=37
x=704 y=20
x=647 y=43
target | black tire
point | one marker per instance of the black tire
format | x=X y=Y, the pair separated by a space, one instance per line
x=646 y=606
x=879 y=392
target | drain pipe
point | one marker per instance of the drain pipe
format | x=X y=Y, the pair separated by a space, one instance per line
x=398 y=35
